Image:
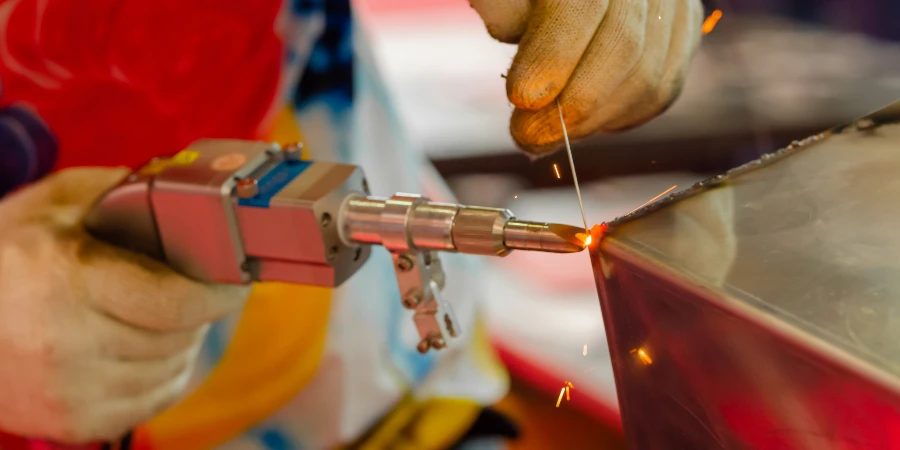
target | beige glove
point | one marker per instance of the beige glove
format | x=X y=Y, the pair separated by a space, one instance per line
x=614 y=64
x=93 y=339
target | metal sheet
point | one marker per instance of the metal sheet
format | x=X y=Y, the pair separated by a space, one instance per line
x=761 y=308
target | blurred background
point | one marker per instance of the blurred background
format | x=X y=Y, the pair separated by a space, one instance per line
x=770 y=72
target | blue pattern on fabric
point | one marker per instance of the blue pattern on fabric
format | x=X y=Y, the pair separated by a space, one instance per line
x=214 y=344
x=330 y=68
x=275 y=439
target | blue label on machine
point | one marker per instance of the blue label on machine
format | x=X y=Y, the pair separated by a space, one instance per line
x=274 y=181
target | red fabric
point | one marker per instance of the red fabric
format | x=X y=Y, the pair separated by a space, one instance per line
x=121 y=81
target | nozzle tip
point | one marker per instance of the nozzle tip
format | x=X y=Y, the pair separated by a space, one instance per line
x=545 y=237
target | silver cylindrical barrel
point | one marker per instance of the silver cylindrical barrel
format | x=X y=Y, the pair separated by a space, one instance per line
x=401 y=222
x=360 y=220
x=431 y=226
x=479 y=231
x=407 y=221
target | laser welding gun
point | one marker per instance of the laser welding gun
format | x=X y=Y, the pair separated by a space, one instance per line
x=231 y=211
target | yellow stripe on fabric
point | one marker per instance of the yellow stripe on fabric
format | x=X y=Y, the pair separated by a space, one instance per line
x=434 y=424
x=274 y=353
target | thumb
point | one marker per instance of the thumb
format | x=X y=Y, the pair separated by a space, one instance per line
x=505 y=20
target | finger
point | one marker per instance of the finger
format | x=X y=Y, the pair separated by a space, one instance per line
x=640 y=84
x=613 y=52
x=116 y=340
x=505 y=20
x=555 y=39
x=145 y=293
x=685 y=39
x=64 y=197
x=111 y=420
x=105 y=379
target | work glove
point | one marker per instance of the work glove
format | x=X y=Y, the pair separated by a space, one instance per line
x=613 y=64
x=93 y=339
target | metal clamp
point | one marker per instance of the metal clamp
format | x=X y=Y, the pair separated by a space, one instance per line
x=420 y=277
x=419 y=274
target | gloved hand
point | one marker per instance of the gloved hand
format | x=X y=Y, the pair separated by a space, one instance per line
x=93 y=339
x=613 y=64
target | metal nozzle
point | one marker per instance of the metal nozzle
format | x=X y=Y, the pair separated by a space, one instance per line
x=544 y=237
x=407 y=221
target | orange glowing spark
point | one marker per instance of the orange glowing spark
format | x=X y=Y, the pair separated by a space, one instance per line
x=569 y=383
x=644 y=357
x=559 y=400
x=556 y=169
x=584 y=352
x=653 y=199
x=711 y=21
x=567 y=394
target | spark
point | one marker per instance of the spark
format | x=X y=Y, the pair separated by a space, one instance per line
x=515 y=196
x=584 y=352
x=710 y=23
x=643 y=356
x=569 y=383
x=559 y=400
x=567 y=394
x=653 y=199
x=556 y=169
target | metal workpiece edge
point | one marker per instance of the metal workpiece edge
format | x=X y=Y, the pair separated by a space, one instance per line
x=886 y=116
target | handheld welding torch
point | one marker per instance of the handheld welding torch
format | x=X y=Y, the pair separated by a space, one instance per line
x=230 y=211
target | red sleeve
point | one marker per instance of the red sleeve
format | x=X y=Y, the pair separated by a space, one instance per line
x=121 y=81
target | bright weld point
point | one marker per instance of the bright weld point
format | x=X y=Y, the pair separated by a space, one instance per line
x=710 y=23
x=556 y=169
x=653 y=199
x=586 y=243
x=559 y=400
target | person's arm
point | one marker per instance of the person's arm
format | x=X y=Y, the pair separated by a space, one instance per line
x=612 y=64
x=93 y=339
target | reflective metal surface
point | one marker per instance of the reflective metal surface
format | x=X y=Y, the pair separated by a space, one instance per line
x=761 y=309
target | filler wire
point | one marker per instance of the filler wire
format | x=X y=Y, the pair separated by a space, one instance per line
x=562 y=123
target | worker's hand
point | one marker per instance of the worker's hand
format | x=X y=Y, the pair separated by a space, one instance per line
x=93 y=339
x=613 y=64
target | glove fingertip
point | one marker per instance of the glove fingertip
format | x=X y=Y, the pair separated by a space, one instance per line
x=529 y=92
x=536 y=128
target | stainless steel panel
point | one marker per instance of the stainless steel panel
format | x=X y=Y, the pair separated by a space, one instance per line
x=761 y=309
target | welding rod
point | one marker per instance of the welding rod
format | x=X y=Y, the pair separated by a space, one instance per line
x=407 y=221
